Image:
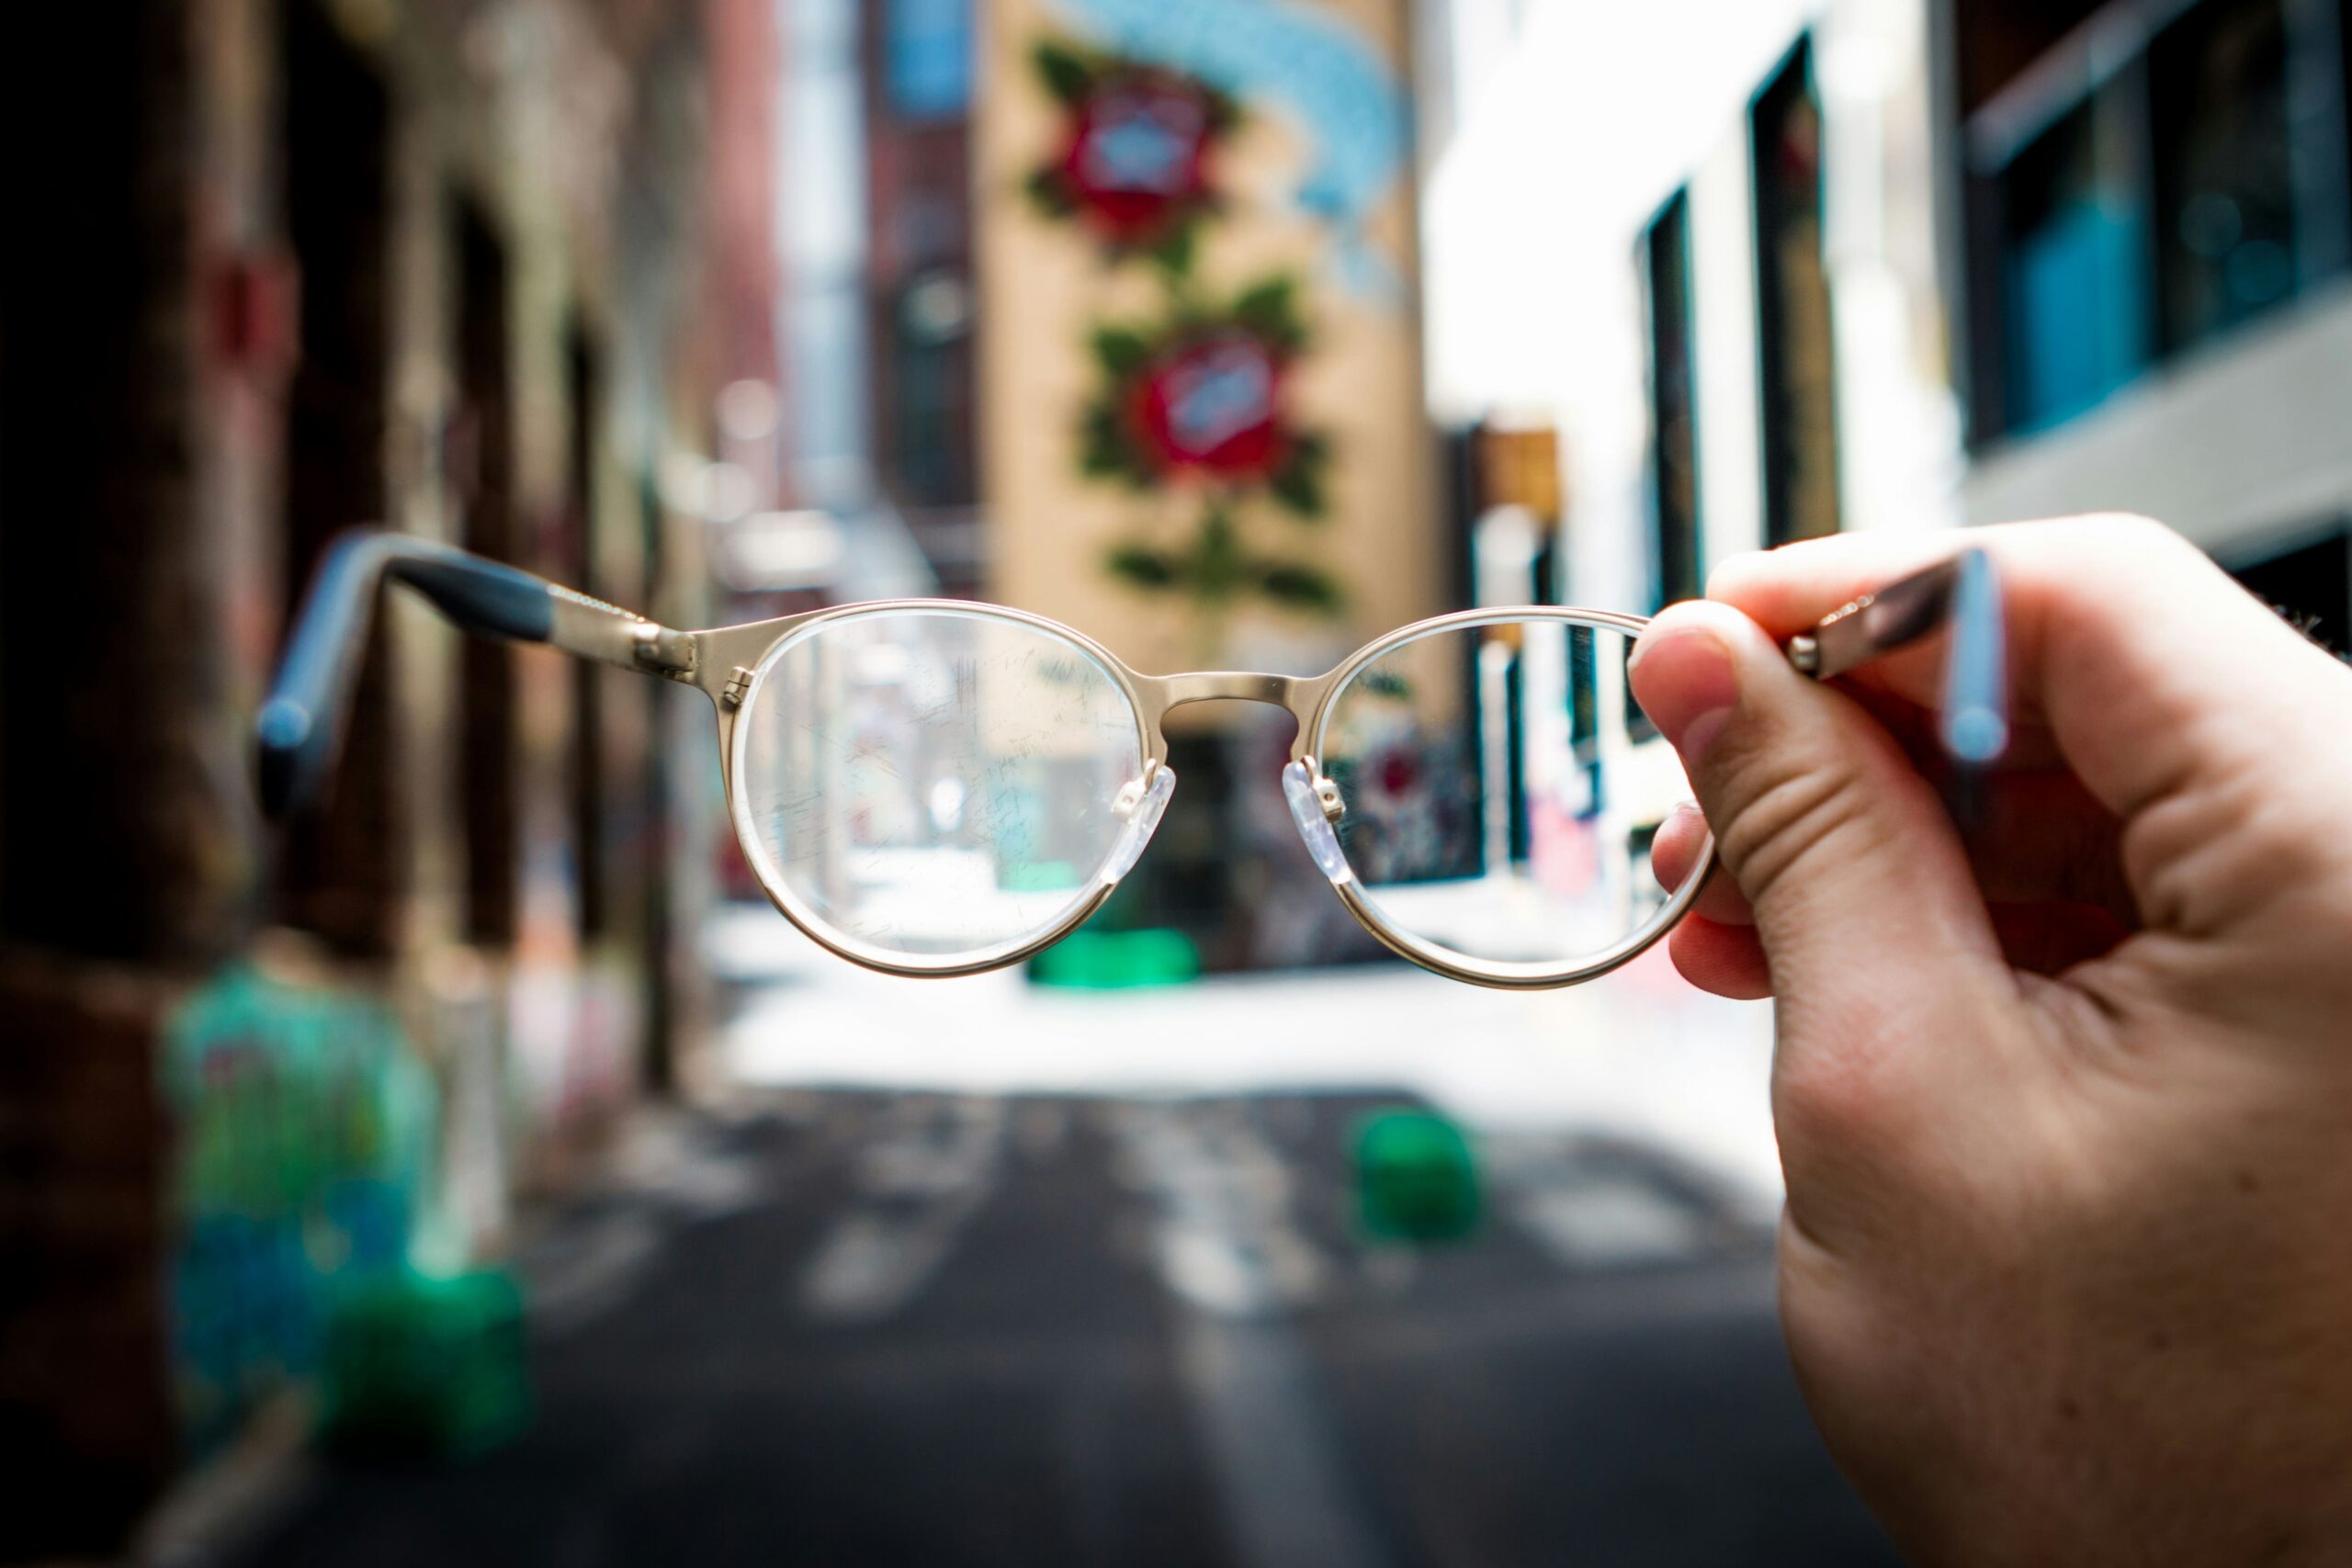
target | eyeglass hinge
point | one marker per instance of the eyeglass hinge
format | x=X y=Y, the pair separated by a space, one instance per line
x=738 y=687
x=662 y=651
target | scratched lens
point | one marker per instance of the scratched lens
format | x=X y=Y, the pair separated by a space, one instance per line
x=1501 y=790
x=935 y=785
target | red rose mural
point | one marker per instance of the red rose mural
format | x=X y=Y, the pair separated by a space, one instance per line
x=1136 y=159
x=1208 y=405
x=1197 y=401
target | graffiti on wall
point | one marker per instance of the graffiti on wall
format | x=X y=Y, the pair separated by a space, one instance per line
x=1198 y=255
x=1192 y=397
x=1308 y=64
x=306 y=1129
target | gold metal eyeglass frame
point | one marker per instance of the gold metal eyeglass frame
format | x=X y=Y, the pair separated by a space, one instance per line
x=299 y=729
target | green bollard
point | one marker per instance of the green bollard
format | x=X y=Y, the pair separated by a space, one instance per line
x=1118 y=961
x=421 y=1368
x=1417 y=1179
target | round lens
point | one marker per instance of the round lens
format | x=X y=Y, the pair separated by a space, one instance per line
x=1499 y=791
x=935 y=787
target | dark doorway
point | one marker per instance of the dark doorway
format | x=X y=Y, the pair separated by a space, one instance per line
x=590 y=807
x=341 y=872
x=481 y=464
x=647 y=896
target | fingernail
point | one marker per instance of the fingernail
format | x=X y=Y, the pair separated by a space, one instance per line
x=1685 y=682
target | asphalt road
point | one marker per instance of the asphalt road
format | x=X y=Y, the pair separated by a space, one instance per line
x=873 y=1330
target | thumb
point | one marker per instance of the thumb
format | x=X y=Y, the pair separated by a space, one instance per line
x=1862 y=892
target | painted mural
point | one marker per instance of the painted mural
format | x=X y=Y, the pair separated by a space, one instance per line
x=306 y=1131
x=1134 y=159
x=1329 y=67
x=1201 y=403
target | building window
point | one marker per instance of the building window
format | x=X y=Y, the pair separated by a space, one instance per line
x=2223 y=168
x=1677 y=558
x=928 y=48
x=2143 y=186
x=1797 y=354
x=2076 y=303
x=927 y=435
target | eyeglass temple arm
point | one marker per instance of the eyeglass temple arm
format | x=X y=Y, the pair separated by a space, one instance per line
x=299 y=729
x=1963 y=593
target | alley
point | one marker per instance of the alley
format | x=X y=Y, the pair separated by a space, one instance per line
x=852 y=1328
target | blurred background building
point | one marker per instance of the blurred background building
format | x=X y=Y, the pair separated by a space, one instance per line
x=725 y=309
x=1884 y=263
x=477 y=272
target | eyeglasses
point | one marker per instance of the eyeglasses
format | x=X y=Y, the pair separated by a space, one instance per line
x=935 y=788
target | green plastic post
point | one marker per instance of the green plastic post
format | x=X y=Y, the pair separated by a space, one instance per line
x=1118 y=961
x=417 y=1367
x=1417 y=1177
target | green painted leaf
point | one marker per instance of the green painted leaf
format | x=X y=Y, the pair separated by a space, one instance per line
x=1297 y=489
x=1302 y=587
x=1049 y=194
x=1175 y=253
x=1105 y=451
x=1142 y=568
x=1063 y=72
x=1268 y=298
x=1269 y=311
x=1121 y=351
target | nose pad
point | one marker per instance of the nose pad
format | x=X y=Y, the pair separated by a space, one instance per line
x=1143 y=805
x=1303 y=792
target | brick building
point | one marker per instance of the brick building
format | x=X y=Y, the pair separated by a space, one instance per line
x=473 y=268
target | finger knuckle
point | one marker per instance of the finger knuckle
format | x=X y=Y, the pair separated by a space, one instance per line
x=2202 y=861
x=1789 y=822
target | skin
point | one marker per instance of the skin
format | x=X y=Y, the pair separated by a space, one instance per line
x=2065 y=1104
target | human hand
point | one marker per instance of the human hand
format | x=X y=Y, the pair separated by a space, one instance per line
x=2065 y=1108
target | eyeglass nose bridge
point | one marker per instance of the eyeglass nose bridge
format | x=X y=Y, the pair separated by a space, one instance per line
x=1300 y=696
